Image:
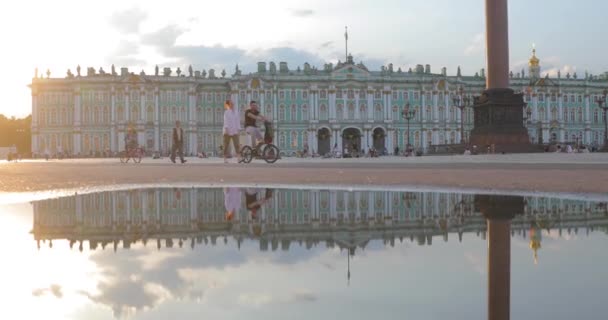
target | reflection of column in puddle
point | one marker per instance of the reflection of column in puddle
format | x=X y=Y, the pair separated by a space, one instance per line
x=499 y=211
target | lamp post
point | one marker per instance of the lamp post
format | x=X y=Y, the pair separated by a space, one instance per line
x=601 y=101
x=408 y=114
x=461 y=102
x=528 y=117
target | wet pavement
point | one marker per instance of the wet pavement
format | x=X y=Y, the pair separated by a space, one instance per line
x=578 y=173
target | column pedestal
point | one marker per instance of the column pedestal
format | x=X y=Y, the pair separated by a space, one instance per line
x=499 y=121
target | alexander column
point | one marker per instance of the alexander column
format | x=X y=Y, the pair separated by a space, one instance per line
x=499 y=111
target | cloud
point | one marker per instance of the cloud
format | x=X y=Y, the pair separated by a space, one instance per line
x=126 y=48
x=54 y=289
x=164 y=37
x=477 y=263
x=303 y=297
x=302 y=13
x=477 y=45
x=326 y=45
x=128 y=21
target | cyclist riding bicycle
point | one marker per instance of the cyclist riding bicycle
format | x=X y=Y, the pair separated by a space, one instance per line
x=251 y=116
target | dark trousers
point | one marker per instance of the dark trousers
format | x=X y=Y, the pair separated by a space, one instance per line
x=179 y=147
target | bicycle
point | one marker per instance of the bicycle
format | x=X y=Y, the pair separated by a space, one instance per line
x=131 y=153
x=265 y=150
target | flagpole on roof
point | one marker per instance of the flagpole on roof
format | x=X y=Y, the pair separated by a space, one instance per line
x=346 y=41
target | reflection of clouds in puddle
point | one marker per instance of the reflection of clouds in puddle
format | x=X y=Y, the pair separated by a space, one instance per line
x=54 y=289
x=477 y=263
x=263 y=298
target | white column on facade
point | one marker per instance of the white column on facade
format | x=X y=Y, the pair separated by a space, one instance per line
x=435 y=107
x=370 y=140
x=390 y=133
x=370 y=205
x=423 y=107
x=141 y=133
x=192 y=148
x=127 y=105
x=156 y=119
x=113 y=147
x=535 y=115
x=275 y=106
x=339 y=140
x=370 y=105
x=357 y=108
x=344 y=107
x=587 y=111
x=77 y=122
x=389 y=106
x=332 y=104
x=35 y=128
x=158 y=202
x=311 y=105
x=560 y=117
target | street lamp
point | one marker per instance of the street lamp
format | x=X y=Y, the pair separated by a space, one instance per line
x=528 y=118
x=601 y=101
x=461 y=102
x=408 y=114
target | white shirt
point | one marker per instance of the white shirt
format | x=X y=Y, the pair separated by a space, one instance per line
x=232 y=199
x=232 y=122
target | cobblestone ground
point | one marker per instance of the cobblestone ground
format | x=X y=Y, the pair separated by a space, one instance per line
x=578 y=173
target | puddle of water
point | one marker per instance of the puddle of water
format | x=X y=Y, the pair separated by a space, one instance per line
x=238 y=252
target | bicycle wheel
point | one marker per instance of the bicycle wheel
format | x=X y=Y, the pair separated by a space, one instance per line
x=123 y=157
x=270 y=153
x=246 y=154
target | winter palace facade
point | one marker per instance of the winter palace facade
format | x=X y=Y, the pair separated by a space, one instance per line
x=341 y=105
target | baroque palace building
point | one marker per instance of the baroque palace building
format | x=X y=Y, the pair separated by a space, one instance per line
x=338 y=105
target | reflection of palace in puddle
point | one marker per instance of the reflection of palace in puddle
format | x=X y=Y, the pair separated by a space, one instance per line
x=339 y=218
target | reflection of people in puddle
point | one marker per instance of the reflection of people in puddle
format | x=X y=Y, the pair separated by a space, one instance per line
x=232 y=201
x=252 y=201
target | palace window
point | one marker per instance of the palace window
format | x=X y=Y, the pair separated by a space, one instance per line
x=596 y=116
x=340 y=112
x=255 y=95
x=304 y=112
x=293 y=113
x=304 y=94
x=323 y=113
x=580 y=114
x=351 y=94
x=541 y=98
x=351 y=111
x=339 y=94
x=377 y=95
x=282 y=112
x=282 y=94
x=554 y=113
x=362 y=94
x=406 y=95
x=580 y=98
x=565 y=98
x=565 y=115
x=268 y=95
x=293 y=94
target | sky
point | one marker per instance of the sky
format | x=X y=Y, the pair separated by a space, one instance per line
x=61 y=34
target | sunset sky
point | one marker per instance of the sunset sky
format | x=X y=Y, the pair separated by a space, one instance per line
x=57 y=35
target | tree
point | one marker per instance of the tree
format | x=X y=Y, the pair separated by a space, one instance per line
x=16 y=132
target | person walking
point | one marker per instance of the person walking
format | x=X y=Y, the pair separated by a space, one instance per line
x=232 y=127
x=178 y=142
